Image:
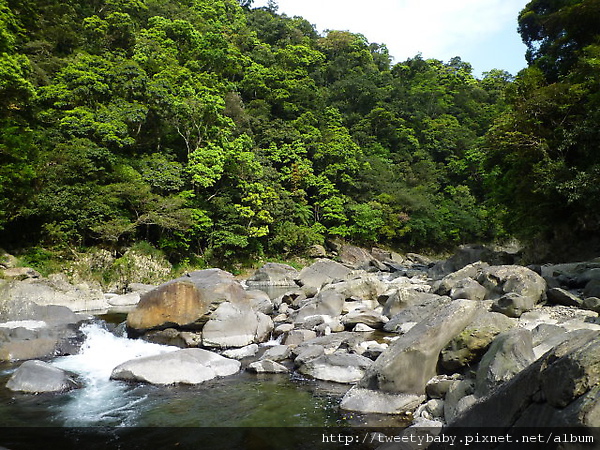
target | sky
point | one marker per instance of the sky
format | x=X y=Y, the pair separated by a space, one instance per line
x=482 y=32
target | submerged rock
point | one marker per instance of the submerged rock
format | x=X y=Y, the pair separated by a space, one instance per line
x=188 y=366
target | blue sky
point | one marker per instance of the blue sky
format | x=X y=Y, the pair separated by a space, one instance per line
x=482 y=32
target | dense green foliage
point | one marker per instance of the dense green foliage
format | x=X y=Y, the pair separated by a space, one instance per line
x=206 y=127
x=542 y=155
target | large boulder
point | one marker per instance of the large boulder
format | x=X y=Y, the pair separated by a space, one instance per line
x=501 y=280
x=396 y=301
x=415 y=313
x=54 y=290
x=274 y=274
x=449 y=282
x=235 y=325
x=31 y=331
x=328 y=303
x=470 y=345
x=188 y=366
x=322 y=271
x=468 y=254
x=354 y=257
x=365 y=316
x=561 y=389
x=410 y=362
x=186 y=302
x=35 y=377
x=338 y=367
x=360 y=285
x=509 y=354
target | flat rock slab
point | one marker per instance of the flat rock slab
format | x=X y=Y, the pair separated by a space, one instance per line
x=188 y=366
x=376 y=402
x=337 y=367
x=35 y=377
x=267 y=366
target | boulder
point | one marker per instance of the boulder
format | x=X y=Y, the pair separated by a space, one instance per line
x=446 y=284
x=277 y=353
x=502 y=280
x=35 y=377
x=236 y=325
x=297 y=337
x=170 y=336
x=560 y=296
x=592 y=303
x=354 y=257
x=410 y=361
x=329 y=303
x=364 y=316
x=362 y=286
x=267 y=366
x=32 y=331
x=396 y=301
x=333 y=342
x=337 y=367
x=592 y=289
x=470 y=345
x=368 y=401
x=316 y=251
x=561 y=389
x=469 y=289
x=188 y=366
x=54 y=290
x=513 y=304
x=468 y=254
x=274 y=274
x=241 y=353
x=186 y=302
x=260 y=301
x=321 y=272
x=509 y=354
x=415 y=313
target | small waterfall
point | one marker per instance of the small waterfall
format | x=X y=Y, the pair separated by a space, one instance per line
x=101 y=401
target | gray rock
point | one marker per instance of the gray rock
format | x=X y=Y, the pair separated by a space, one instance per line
x=501 y=280
x=333 y=342
x=37 y=376
x=277 y=353
x=546 y=336
x=364 y=316
x=282 y=329
x=561 y=389
x=234 y=325
x=470 y=345
x=241 y=353
x=297 y=337
x=560 y=296
x=445 y=286
x=54 y=290
x=20 y=273
x=308 y=353
x=329 y=303
x=592 y=303
x=513 y=305
x=337 y=367
x=439 y=385
x=267 y=366
x=354 y=257
x=170 y=336
x=457 y=391
x=274 y=274
x=592 y=289
x=188 y=366
x=362 y=328
x=260 y=301
x=509 y=354
x=469 y=289
x=377 y=402
x=410 y=361
x=316 y=251
x=403 y=298
x=323 y=271
x=416 y=312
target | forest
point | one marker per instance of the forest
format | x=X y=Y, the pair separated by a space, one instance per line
x=215 y=131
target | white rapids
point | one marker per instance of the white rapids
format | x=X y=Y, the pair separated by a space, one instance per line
x=101 y=401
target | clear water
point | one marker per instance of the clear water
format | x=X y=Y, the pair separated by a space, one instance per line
x=242 y=400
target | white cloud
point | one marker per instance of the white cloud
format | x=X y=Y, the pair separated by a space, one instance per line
x=436 y=28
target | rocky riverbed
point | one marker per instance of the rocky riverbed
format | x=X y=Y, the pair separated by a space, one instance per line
x=474 y=340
